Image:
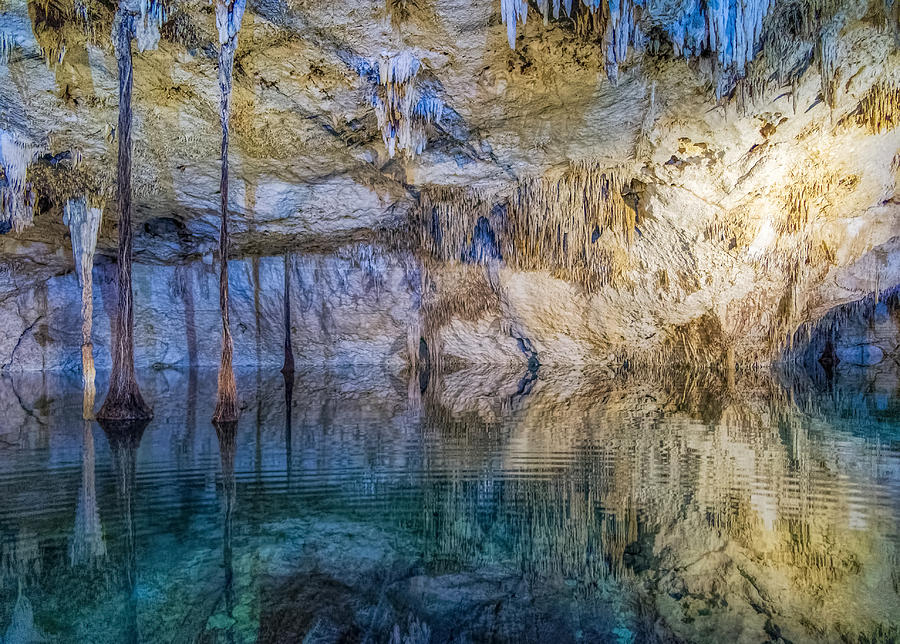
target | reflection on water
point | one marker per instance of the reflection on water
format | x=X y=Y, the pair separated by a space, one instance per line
x=491 y=507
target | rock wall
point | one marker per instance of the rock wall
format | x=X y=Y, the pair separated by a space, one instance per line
x=744 y=207
x=350 y=307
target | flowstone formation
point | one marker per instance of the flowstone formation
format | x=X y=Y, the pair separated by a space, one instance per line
x=627 y=185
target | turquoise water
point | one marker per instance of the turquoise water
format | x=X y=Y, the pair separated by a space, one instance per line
x=489 y=507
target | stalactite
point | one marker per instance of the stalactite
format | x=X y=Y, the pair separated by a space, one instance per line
x=84 y=223
x=51 y=29
x=124 y=400
x=16 y=196
x=7 y=45
x=879 y=109
x=729 y=28
x=147 y=24
x=404 y=110
x=826 y=61
x=513 y=12
x=229 y=15
x=577 y=225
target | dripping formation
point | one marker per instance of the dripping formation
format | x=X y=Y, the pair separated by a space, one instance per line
x=879 y=109
x=229 y=14
x=124 y=401
x=730 y=29
x=578 y=225
x=405 y=108
x=17 y=198
x=84 y=223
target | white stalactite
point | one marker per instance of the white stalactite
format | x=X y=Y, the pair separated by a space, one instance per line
x=403 y=111
x=16 y=196
x=147 y=22
x=84 y=223
x=514 y=12
x=229 y=16
x=729 y=28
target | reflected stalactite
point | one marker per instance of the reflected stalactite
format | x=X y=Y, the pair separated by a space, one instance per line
x=87 y=547
x=288 y=428
x=21 y=626
x=226 y=433
x=288 y=366
x=124 y=439
x=765 y=506
x=737 y=474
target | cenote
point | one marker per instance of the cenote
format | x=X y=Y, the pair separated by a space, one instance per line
x=427 y=321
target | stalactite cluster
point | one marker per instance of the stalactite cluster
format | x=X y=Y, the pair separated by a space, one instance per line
x=16 y=195
x=148 y=22
x=578 y=225
x=805 y=195
x=458 y=292
x=404 y=110
x=50 y=23
x=729 y=28
x=701 y=342
x=447 y=218
x=796 y=34
x=879 y=109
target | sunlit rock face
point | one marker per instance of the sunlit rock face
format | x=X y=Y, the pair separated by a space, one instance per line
x=746 y=198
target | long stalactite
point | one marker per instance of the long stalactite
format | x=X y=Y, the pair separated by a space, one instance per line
x=228 y=21
x=124 y=400
x=84 y=223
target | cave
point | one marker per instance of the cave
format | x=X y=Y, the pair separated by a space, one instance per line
x=408 y=321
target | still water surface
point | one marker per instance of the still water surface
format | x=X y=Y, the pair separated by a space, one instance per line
x=488 y=508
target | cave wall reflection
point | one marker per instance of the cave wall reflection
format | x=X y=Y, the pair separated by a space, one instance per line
x=773 y=502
